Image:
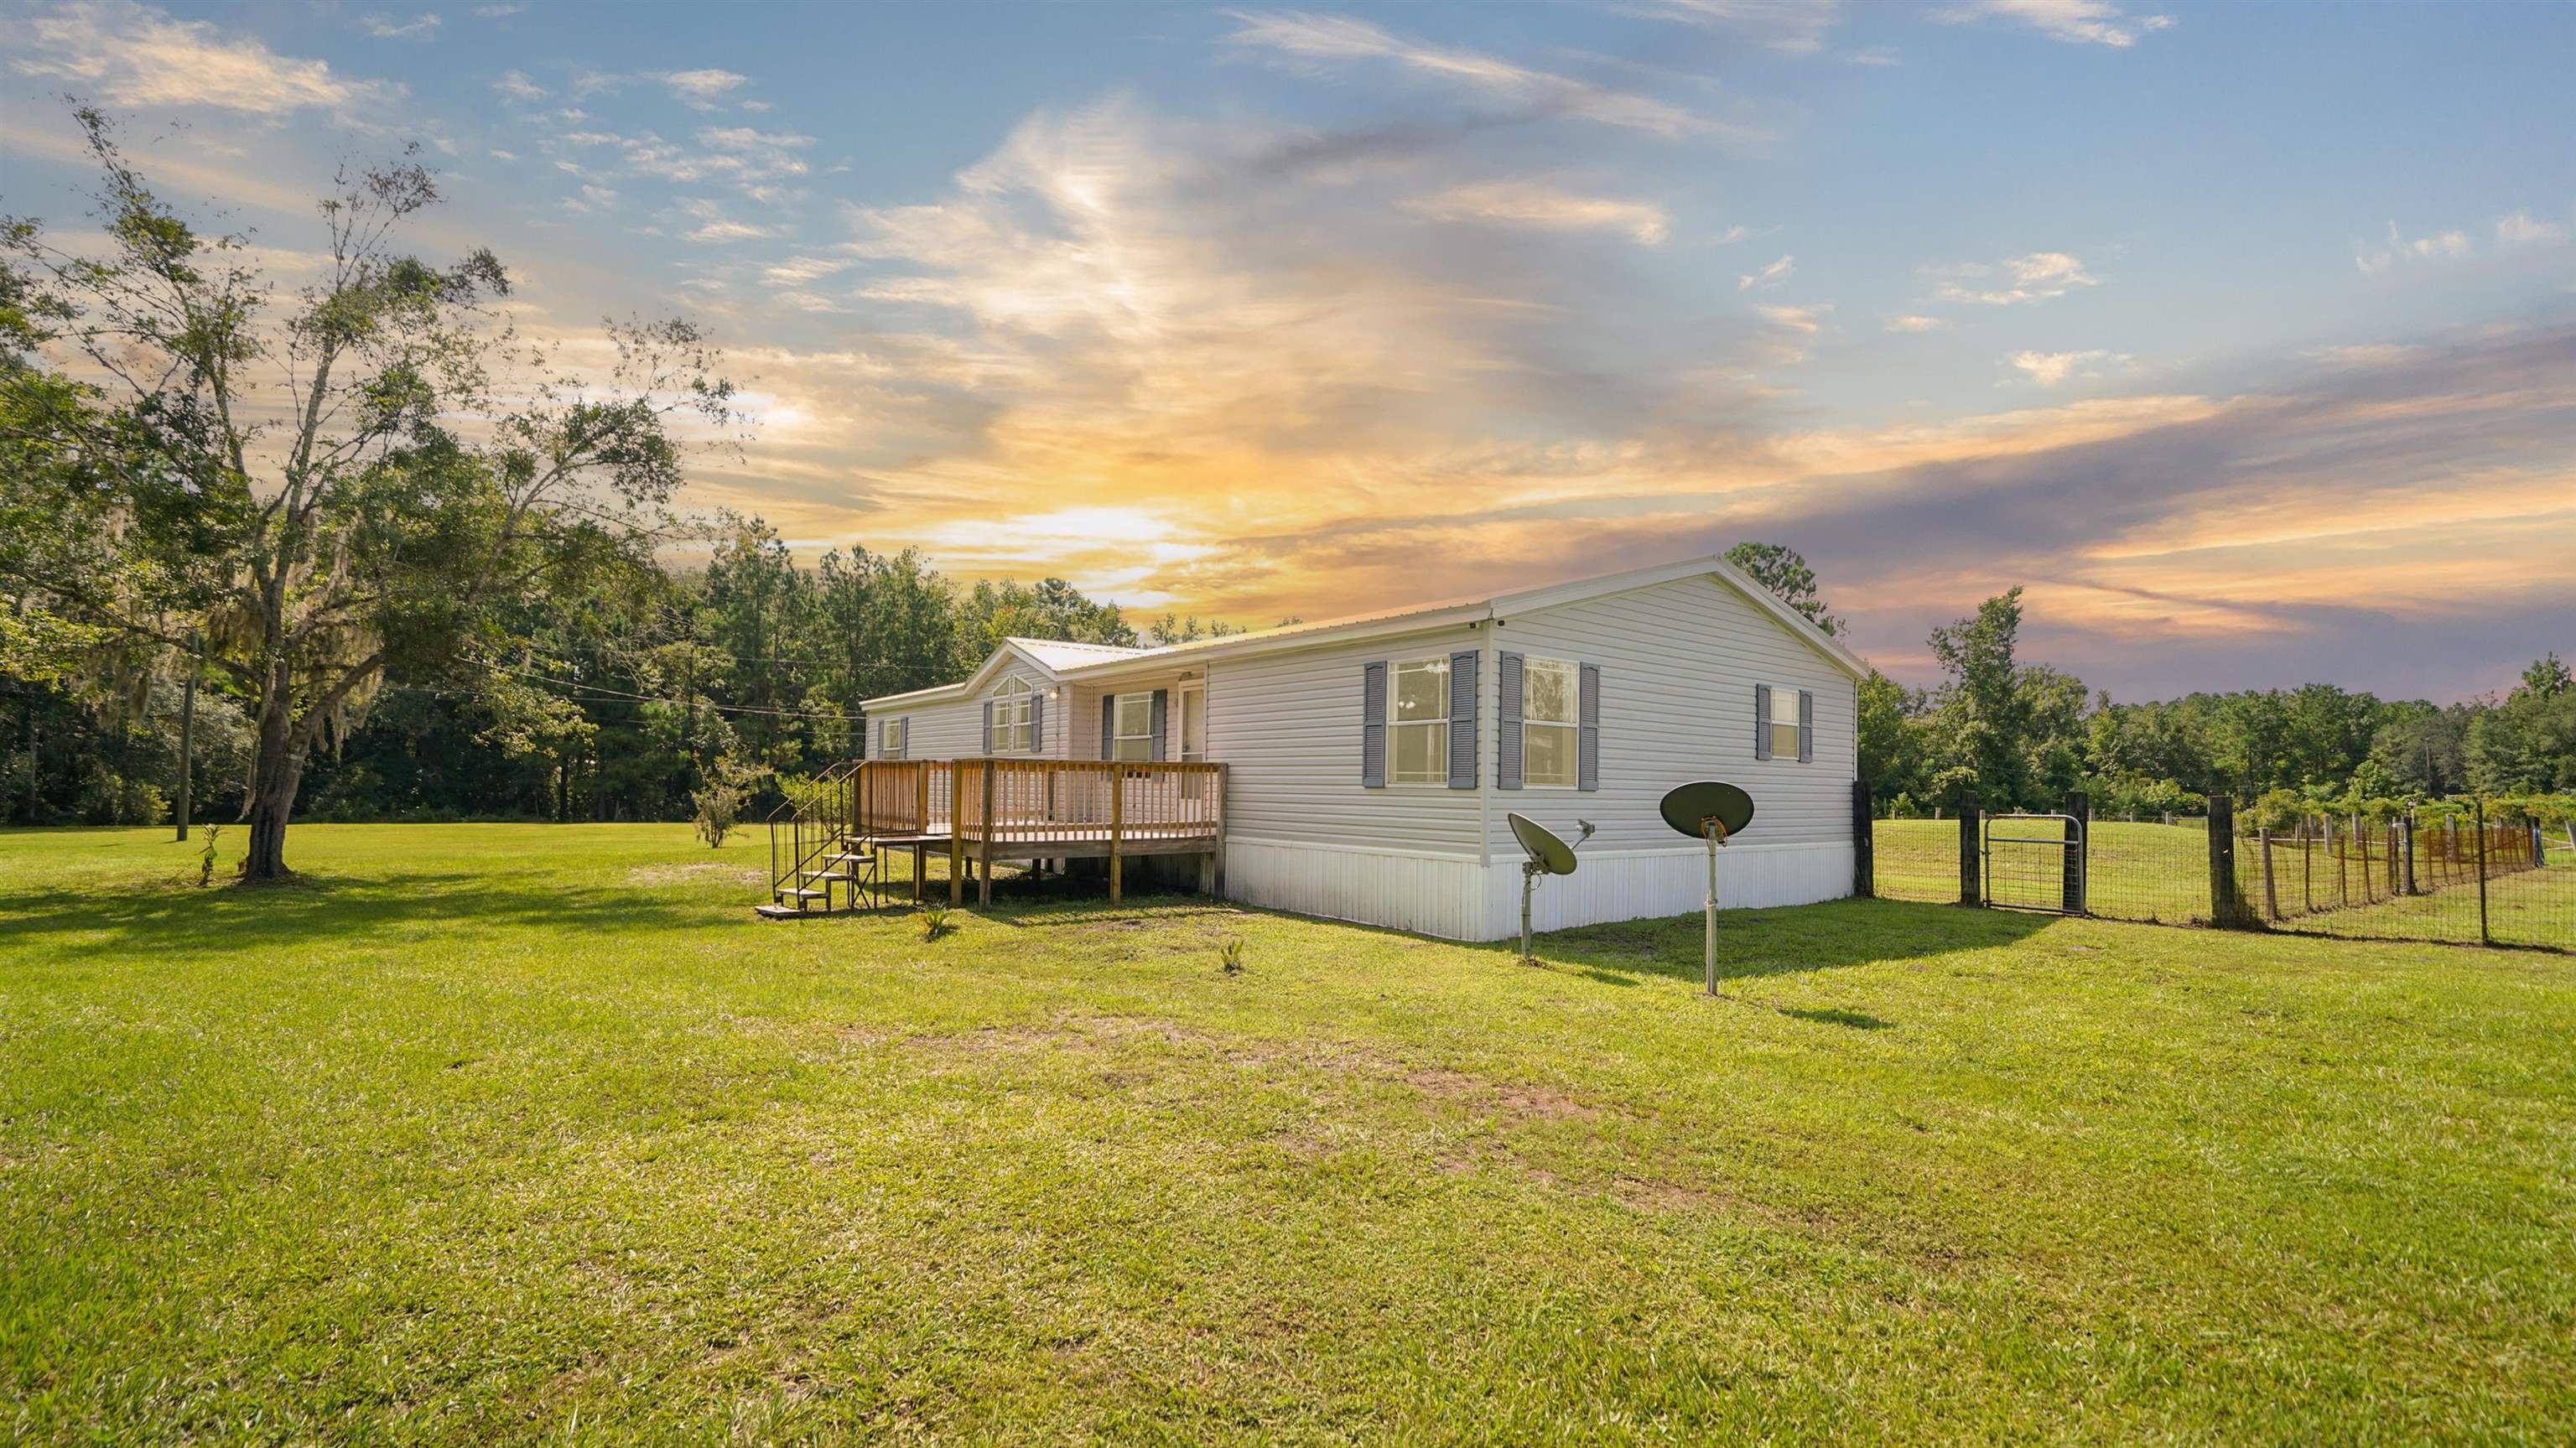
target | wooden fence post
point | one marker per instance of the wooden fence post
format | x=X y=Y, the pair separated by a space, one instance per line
x=1864 y=842
x=2224 y=911
x=1971 y=889
x=2071 y=884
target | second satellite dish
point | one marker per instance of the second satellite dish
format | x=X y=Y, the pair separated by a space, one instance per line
x=1693 y=808
x=1716 y=812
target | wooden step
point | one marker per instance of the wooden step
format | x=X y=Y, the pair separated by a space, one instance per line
x=857 y=859
x=803 y=894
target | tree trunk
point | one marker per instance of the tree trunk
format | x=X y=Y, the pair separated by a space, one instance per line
x=273 y=782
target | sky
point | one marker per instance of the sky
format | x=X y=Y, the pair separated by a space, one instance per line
x=2242 y=336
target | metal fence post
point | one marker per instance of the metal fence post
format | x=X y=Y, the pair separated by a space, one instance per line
x=2079 y=828
x=1864 y=842
x=2223 y=910
x=1971 y=890
x=2271 y=892
x=2483 y=937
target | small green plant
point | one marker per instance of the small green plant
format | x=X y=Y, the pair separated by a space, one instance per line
x=206 y=857
x=934 y=922
x=1229 y=955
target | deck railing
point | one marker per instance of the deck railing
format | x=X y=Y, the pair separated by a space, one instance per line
x=1019 y=801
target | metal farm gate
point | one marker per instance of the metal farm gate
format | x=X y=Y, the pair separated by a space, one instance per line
x=2035 y=862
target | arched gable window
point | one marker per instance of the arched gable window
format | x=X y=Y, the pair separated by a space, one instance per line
x=1011 y=719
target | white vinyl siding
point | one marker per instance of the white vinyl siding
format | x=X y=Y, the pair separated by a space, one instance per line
x=1679 y=661
x=1417 y=722
x=1287 y=727
x=1551 y=693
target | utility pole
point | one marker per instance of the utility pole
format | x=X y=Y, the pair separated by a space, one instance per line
x=188 y=725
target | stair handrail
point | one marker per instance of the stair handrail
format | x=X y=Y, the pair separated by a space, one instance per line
x=810 y=821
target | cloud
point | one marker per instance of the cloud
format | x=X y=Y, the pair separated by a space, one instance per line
x=516 y=85
x=1771 y=275
x=419 y=27
x=1916 y=323
x=1791 y=25
x=1538 y=205
x=498 y=12
x=2078 y=22
x=1808 y=319
x=744 y=138
x=715 y=226
x=702 y=89
x=1318 y=38
x=2038 y=277
x=135 y=55
x=2048 y=369
x=2439 y=246
x=2519 y=229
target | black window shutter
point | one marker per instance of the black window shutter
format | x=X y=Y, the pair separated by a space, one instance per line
x=1162 y=710
x=1108 y=724
x=1806 y=726
x=1588 y=763
x=1037 y=722
x=1373 y=725
x=1762 y=721
x=1511 y=682
x=988 y=727
x=1462 y=719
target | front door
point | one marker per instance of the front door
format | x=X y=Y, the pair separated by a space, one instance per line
x=1193 y=722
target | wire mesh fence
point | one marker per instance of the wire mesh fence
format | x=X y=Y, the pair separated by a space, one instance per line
x=2466 y=879
x=1917 y=860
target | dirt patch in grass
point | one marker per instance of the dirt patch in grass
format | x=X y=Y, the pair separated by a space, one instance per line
x=685 y=874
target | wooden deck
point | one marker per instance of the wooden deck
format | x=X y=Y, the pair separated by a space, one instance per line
x=980 y=810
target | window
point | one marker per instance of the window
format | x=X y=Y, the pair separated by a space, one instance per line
x=891 y=738
x=1014 y=725
x=1784 y=721
x=1417 y=725
x=1131 y=733
x=1551 y=690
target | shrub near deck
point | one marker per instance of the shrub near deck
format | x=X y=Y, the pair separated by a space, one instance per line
x=496 y=1132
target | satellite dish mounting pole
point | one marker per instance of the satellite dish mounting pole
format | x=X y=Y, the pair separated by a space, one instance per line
x=1529 y=887
x=1714 y=830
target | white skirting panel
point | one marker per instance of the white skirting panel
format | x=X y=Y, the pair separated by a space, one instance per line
x=1440 y=895
x=1612 y=885
x=1456 y=897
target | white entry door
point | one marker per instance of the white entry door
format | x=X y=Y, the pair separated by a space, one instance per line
x=1193 y=721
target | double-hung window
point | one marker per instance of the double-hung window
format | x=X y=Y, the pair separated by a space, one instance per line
x=1783 y=722
x=1131 y=727
x=892 y=737
x=1013 y=729
x=1418 y=724
x=1551 y=693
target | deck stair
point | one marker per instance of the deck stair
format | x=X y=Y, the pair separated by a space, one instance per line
x=818 y=863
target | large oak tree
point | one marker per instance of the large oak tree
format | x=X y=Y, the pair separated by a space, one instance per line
x=310 y=484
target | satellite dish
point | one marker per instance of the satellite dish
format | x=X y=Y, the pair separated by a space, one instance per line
x=1690 y=808
x=1708 y=810
x=1549 y=853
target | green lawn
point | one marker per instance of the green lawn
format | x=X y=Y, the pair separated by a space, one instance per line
x=518 y=1133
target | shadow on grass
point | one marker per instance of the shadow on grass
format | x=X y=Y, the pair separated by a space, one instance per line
x=316 y=907
x=1782 y=941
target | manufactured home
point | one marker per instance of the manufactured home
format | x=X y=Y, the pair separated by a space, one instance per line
x=1362 y=768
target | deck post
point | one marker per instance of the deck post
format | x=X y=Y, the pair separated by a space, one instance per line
x=1117 y=828
x=920 y=872
x=956 y=840
x=984 y=830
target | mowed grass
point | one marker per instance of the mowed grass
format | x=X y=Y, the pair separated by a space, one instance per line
x=497 y=1133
